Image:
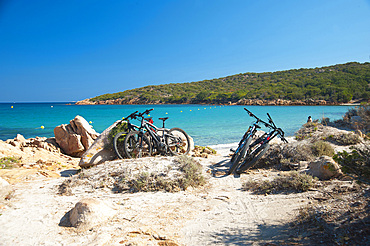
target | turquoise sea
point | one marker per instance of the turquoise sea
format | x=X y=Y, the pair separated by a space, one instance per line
x=207 y=124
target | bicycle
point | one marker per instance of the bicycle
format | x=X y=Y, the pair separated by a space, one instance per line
x=239 y=153
x=118 y=141
x=149 y=137
x=259 y=147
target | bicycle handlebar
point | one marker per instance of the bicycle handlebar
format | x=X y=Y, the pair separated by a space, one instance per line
x=258 y=119
x=145 y=112
x=271 y=124
x=133 y=115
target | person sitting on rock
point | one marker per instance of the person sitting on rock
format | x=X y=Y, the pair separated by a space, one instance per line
x=309 y=119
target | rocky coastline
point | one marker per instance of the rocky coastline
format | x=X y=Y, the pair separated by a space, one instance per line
x=257 y=102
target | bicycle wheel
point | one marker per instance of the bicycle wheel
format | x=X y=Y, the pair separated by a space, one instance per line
x=178 y=141
x=253 y=158
x=118 y=143
x=239 y=154
x=137 y=145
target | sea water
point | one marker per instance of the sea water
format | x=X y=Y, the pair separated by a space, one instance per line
x=206 y=124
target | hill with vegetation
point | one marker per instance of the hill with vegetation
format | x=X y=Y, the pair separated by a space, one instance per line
x=333 y=84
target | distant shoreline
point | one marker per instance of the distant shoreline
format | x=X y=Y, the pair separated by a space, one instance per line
x=242 y=102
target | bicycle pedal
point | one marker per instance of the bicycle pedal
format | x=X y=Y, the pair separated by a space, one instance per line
x=232 y=150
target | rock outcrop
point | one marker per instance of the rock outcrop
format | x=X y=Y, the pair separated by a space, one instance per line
x=76 y=137
x=90 y=212
x=324 y=168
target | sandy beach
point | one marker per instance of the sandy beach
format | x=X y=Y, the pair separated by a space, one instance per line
x=217 y=213
x=220 y=212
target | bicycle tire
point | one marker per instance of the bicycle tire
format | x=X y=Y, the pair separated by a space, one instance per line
x=253 y=158
x=119 y=144
x=178 y=141
x=239 y=155
x=137 y=145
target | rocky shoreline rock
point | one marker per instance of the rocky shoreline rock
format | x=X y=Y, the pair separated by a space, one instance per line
x=76 y=137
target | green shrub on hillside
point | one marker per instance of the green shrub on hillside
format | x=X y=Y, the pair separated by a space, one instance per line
x=357 y=162
x=337 y=84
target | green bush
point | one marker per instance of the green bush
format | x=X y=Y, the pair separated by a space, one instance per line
x=120 y=127
x=8 y=162
x=321 y=148
x=356 y=162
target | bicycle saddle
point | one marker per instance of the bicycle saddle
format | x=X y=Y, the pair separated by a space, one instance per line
x=164 y=119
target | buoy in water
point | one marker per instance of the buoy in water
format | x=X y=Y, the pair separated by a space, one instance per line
x=11 y=107
x=90 y=122
x=42 y=127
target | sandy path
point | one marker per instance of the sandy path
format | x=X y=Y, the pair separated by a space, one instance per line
x=220 y=213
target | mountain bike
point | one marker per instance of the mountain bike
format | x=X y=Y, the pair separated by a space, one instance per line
x=150 y=138
x=259 y=147
x=239 y=153
x=118 y=141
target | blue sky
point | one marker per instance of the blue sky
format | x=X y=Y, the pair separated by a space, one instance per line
x=71 y=50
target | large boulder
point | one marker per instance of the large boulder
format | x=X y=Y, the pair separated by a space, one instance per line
x=100 y=151
x=76 y=137
x=90 y=212
x=324 y=168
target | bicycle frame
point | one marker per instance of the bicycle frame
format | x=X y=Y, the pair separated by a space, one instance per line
x=158 y=140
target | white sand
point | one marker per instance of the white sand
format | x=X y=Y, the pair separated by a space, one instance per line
x=219 y=213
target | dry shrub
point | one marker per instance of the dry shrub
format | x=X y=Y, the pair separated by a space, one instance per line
x=307 y=130
x=362 y=123
x=291 y=182
x=191 y=171
x=153 y=182
x=183 y=172
x=345 y=139
x=321 y=148
x=284 y=157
